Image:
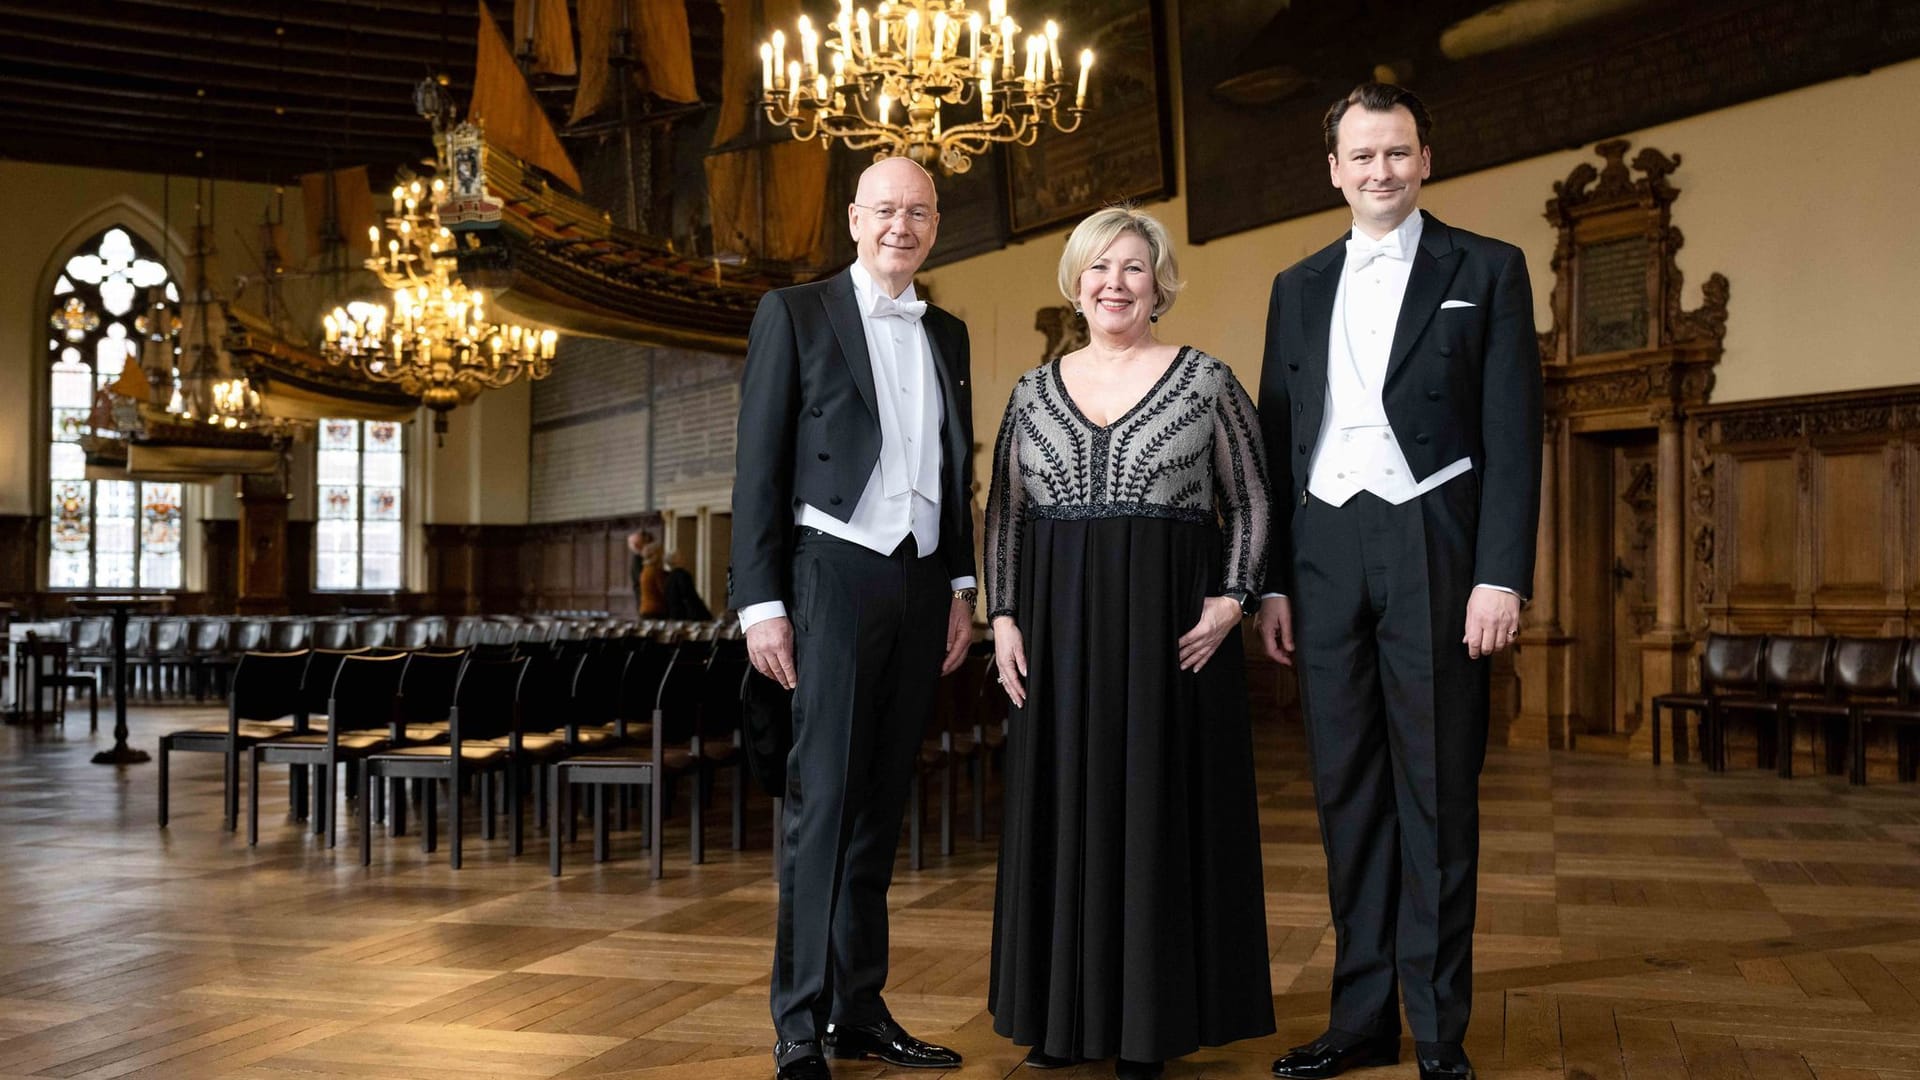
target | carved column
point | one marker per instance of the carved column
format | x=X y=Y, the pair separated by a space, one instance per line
x=1665 y=650
x=1543 y=659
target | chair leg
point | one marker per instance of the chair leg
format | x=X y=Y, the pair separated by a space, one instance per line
x=456 y=822
x=697 y=819
x=1654 y=718
x=429 y=815
x=253 y=797
x=230 y=793
x=366 y=819
x=333 y=807
x=1783 y=744
x=516 y=828
x=165 y=752
x=93 y=707
x=1857 y=744
x=555 y=783
x=656 y=813
x=600 y=844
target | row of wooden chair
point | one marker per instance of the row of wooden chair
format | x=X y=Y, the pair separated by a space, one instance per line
x=1846 y=687
x=484 y=717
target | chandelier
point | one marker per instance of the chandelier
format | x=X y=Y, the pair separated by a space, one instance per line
x=903 y=80
x=435 y=341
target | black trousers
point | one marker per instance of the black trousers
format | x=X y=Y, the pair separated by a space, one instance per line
x=869 y=635
x=1396 y=718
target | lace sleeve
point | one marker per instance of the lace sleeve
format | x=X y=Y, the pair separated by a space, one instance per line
x=1240 y=484
x=1006 y=511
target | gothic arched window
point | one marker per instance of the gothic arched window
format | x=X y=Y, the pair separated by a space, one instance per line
x=108 y=534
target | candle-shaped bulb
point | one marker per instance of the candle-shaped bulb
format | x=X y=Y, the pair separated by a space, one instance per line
x=866 y=33
x=779 y=54
x=986 y=87
x=886 y=103
x=1007 y=30
x=820 y=87
x=1053 y=48
x=373 y=236
x=766 y=67
x=973 y=37
x=996 y=10
x=839 y=69
x=938 y=45
x=913 y=36
x=793 y=84
x=1086 y=64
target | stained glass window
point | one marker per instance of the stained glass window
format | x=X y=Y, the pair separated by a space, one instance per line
x=362 y=483
x=104 y=534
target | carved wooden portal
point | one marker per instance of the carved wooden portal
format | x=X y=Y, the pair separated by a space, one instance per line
x=1613 y=619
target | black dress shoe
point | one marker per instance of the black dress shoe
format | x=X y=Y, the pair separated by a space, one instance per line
x=1123 y=1069
x=889 y=1042
x=1040 y=1059
x=1329 y=1056
x=1447 y=1068
x=799 y=1061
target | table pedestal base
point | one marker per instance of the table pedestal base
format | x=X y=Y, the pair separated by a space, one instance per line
x=121 y=755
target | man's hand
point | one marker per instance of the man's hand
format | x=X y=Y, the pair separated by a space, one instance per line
x=1276 y=628
x=959 y=635
x=1493 y=621
x=770 y=648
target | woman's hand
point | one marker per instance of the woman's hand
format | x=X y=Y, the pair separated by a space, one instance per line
x=1217 y=616
x=1009 y=659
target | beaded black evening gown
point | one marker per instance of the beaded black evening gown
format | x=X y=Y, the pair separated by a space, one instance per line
x=1129 y=912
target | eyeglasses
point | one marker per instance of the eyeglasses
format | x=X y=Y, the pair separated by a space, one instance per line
x=918 y=215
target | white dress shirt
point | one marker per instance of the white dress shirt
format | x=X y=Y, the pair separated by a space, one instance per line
x=902 y=496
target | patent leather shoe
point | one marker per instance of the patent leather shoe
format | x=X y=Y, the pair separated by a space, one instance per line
x=799 y=1061
x=1451 y=1066
x=889 y=1042
x=1125 y=1069
x=1329 y=1056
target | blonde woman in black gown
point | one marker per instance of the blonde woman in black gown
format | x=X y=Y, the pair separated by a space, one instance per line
x=1126 y=532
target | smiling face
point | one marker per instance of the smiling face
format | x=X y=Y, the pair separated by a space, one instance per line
x=891 y=243
x=1117 y=289
x=1378 y=164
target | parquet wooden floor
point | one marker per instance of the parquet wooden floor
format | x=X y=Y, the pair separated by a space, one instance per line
x=1635 y=922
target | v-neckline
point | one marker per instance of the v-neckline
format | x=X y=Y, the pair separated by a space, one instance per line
x=1060 y=382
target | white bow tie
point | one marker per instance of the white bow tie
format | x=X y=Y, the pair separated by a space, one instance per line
x=910 y=310
x=1362 y=250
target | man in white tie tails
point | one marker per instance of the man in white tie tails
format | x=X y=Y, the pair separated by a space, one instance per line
x=853 y=573
x=1401 y=392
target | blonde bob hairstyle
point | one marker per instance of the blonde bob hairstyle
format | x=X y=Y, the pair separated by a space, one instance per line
x=1092 y=237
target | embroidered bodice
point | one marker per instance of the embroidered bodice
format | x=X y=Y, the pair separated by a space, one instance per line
x=1189 y=450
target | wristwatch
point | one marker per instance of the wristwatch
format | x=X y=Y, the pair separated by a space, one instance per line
x=970 y=594
x=1249 y=601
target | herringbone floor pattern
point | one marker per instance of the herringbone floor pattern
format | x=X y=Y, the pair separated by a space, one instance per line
x=1635 y=922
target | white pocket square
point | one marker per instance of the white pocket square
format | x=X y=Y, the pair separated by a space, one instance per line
x=1445 y=304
